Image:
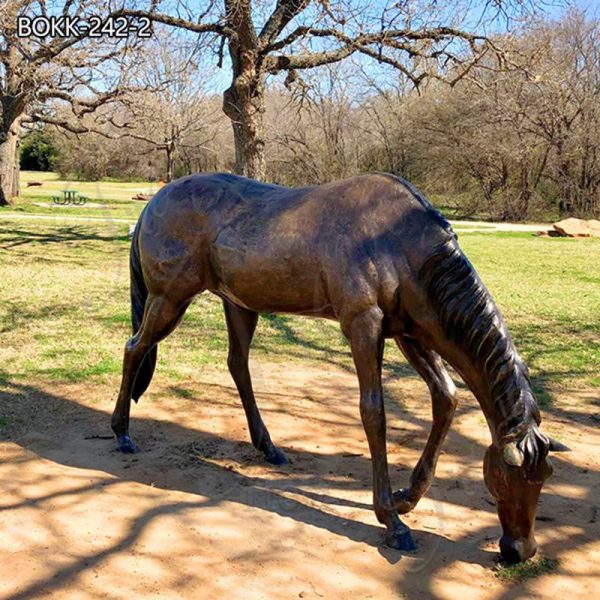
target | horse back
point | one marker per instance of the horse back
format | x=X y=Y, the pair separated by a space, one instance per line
x=275 y=249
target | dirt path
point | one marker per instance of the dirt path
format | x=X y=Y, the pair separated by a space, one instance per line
x=490 y=227
x=65 y=217
x=464 y=226
x=198 y=515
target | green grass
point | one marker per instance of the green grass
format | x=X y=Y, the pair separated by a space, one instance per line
x=526 y=570
x=549 y=292
x=64 y=314
x=115 y=198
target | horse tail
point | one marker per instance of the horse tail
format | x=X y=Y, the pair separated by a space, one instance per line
x=139 y=294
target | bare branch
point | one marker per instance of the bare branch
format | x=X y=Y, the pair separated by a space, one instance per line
x=284 y=12
x=196 y=27
x=369 y=44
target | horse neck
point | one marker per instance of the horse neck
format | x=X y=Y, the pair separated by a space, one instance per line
x=503 y=393
x=472 y=336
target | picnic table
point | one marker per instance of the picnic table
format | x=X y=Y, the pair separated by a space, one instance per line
x=70 y=197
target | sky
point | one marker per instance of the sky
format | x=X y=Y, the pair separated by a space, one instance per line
x=592 y=7
x=221 y=78
x=552 y=8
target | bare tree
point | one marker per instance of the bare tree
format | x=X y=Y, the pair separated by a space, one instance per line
x=387 y=115
x=36 y=71
x=419 y=38
x=169 y=109
x=218 y=154
x=567 y=110
x=315 y=133
x=528 y=138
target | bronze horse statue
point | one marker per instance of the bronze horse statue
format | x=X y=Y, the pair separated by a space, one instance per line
x=372 y=253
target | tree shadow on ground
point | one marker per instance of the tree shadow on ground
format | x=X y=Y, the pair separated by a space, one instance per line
x=295 y=342
x=11 y=238
x=61 y=430
x=16 y=315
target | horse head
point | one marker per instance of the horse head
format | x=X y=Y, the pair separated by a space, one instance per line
x=514 y=474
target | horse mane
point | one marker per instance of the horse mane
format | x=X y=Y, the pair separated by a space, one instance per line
x=433 y=212
x=471 y=320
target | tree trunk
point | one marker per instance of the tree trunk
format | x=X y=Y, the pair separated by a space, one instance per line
x=16 y=184
x=244 y=101
x=9 y=166
x=170 y=150
x=245 y=106
x=13 y=102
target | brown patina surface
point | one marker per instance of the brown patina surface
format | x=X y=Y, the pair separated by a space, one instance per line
x=373 y=254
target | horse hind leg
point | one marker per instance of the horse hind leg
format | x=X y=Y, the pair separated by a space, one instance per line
x=241 y=324
x=443 y=402
x=161 y=317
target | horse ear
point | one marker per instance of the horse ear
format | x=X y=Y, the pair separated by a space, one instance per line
x=556 y=446
x=512 y=455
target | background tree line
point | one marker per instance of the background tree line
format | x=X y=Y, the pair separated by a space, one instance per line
x=255 y=42
x=515 y=136
x=507 y=144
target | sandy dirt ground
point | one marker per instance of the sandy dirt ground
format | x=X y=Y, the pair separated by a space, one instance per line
x=198 y=514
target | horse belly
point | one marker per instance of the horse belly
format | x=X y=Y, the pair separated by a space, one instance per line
x=270 y=281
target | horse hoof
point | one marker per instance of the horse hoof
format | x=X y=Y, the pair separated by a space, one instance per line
x=403 y=502
x=275 y=456
x=125 y=444
x=401 y=540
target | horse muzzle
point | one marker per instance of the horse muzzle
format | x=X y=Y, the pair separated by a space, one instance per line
x=517 y=550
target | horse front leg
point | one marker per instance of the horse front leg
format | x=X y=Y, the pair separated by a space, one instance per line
x=430 y=367
x=366 y=340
